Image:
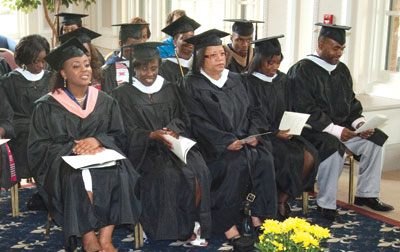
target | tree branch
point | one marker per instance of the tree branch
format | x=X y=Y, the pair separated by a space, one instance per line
x=46 y=14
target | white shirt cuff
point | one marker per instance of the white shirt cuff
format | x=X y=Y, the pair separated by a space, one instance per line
x=335 y=130
x=357 y=121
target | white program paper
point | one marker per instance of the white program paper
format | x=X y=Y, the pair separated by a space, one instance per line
x=98 y=160
x=181 y=146
x=247 y=139
x=372 y=123
x=3 y=141
x=293 y=121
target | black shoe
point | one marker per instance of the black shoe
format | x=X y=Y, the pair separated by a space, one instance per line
x=242 y=244
x=36 y=203
x=373 y=203
x=329 y=214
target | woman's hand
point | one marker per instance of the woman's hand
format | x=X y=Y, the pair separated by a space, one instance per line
x=237 y=145
x=253 y=141
x=367 y=133
x=283 y=134
x=171 y=132
x=86 y=146
x=159 y=136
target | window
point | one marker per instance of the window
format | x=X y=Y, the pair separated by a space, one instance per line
x=393 y=46
x=10 y=18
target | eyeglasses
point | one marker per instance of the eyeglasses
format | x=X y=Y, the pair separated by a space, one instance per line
x=214 y=55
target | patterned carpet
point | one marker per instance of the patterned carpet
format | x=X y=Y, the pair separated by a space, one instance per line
x=354 y=231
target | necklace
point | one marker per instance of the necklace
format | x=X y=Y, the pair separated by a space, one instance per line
x=81 y=99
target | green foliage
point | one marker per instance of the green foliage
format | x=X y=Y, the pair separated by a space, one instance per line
x=30 y=5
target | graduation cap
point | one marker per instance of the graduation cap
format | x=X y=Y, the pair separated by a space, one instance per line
x=83 y=34
x=268 y=46
x=243 y=27
x=208 y=38
x=333 y=31
x=71 y=18
x=181 y=25
x=70 y=49
x=129 y=30
x=143 y=52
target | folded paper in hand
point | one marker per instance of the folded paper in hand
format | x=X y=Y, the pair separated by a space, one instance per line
x=180 y=146
x=3 y=141
x=372 y=123
x=293 y=121
x=105 y=158
x=247 y=139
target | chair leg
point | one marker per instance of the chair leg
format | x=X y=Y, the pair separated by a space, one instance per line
x=48 y=224
x=305 y=202
x=15 y=200
x=138 y=236
x=351 y=181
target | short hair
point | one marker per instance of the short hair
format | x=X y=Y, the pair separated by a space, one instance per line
x=139 y=20
x=136 y=62
x=28 y=49
x=171 y=15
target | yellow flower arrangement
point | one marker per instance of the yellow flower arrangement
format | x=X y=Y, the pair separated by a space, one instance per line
x=293 y=234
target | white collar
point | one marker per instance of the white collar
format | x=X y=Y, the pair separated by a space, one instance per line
x=264 y=77
x=221 y=81
x=30 y=76
x=184 y=63
x=320 y=62
x=154 y=88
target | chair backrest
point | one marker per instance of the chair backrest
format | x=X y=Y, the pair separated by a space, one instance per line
x=9 y=57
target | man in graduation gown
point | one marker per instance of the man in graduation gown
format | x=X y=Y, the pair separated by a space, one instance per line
x=116 y=69
x=324 y=89
x=8 y=177
x=71 y=22
x=239 y=50
x=173 y=68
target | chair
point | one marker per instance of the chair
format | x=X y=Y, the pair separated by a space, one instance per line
x=349 y=161
x=9 y=57
x=138 y=232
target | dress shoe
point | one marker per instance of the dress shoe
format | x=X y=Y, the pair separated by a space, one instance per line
x=373 y=203
x=242 y=243
x=330 y=214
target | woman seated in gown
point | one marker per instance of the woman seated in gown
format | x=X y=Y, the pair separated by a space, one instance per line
x=295 y=159
x=77 y=119
x=174 y=195
x=222 y=117
x=7 y=167
x=22 y=87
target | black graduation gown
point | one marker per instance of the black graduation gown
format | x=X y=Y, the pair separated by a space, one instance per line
x=4 y=67
x=52 y=136
x=6 y=116
x=110 y=81
x=171 y=71
x=329 y=98
x=234 y=66
x=219 y=117
x=274 y=99
x=167 y=185
x=22 y=94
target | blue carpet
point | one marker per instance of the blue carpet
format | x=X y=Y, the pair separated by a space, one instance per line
x=353 y=232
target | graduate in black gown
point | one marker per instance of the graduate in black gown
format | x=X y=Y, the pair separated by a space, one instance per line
x=174 y=195
x=22 y=87
x=221 y=116
x=324 y=89
x=240 y=50
x=175 y=67
x=85 y=36
x=76 y=119
x=8 y=177
x=71 y=22
x=4 y=67
x=295 y=159
x=116 y=70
